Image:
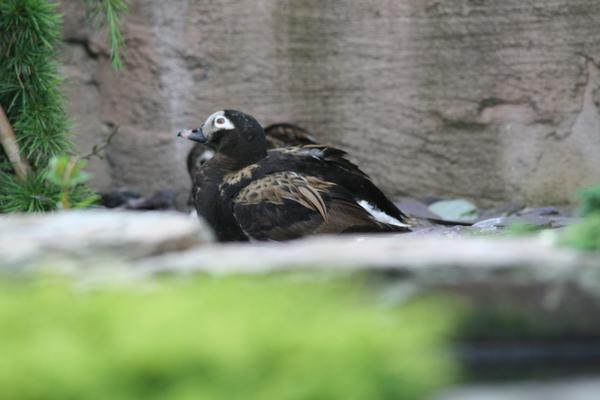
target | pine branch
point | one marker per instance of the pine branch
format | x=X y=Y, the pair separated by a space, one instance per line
x=113 y=10
x=29 y=80
x=35 y=123
x=109 y=12
x=11 y=147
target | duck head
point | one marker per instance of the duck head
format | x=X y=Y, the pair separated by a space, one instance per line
x=231 y=133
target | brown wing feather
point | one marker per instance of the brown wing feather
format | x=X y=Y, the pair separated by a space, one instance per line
x=286 y=185
x=287 y=205
x=284 y=134
x=346 y=216
x=281 y=206
x=310 y=198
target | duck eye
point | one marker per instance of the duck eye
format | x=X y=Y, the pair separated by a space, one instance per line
x=220 y=121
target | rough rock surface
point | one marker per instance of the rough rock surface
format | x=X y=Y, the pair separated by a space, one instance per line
x=151 y=243
x=155 y=242
x=88 y=237
x=441 y=257
x=491 y=100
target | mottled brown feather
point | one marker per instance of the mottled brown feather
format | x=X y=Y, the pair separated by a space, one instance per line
x=305 y=190
x=237 y=176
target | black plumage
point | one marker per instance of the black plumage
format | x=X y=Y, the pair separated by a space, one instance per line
x=277 y=135
x=248 y=192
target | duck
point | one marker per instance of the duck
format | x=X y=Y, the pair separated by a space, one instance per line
x=248 y=192
x=278 y=135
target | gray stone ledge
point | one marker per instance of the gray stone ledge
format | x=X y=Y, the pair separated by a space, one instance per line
x=454 y=257
x=92 y=235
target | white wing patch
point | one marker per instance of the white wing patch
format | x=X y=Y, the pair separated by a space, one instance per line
x=315 y=153
x=380 y=215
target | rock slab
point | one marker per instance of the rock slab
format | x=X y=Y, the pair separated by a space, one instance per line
x=453 y=256
x=95 y=235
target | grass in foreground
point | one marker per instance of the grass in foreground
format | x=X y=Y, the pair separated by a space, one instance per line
x=218 y=339
x=586 y=234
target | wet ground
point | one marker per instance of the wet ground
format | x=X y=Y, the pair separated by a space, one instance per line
x=429 y=215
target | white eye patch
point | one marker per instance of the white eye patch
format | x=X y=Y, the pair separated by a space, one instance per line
x=223 y=123
x=216 y=122
x=220 y=121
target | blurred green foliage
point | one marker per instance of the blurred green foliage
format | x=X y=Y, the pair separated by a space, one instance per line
x=590 y=201
x=108 y=13
x=37 y=194
x=520 y=229
x=68 y=174
x=29 y=81
x=30 y=36
x=585 y=235
x=218 y=339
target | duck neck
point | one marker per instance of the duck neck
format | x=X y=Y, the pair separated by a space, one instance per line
x=237 y=150
x=228 y=163
x=234 y=156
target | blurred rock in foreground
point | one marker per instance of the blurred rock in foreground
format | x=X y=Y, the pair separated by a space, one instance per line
x=88 y=237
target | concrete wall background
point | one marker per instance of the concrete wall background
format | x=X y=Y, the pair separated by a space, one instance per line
x=477 y=98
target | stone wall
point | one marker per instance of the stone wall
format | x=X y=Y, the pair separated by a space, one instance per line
x=491 y=100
